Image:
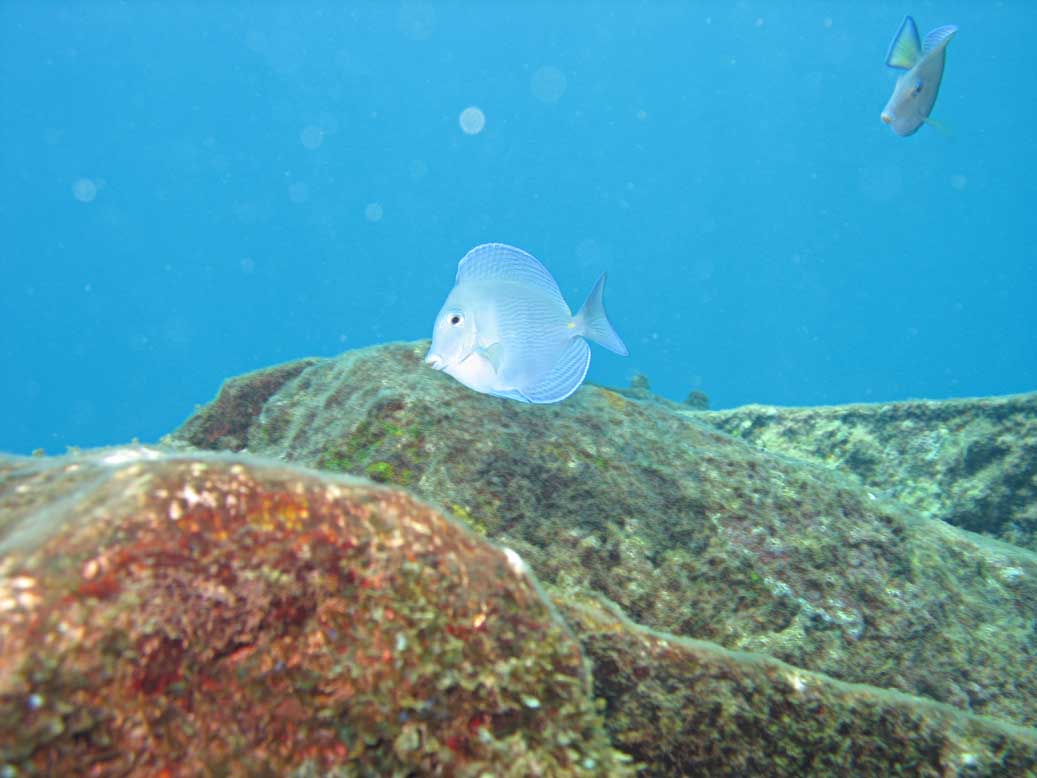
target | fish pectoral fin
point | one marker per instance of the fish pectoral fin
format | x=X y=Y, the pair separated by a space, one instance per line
x=492 y=354
x=939 y=126
x=906 y=48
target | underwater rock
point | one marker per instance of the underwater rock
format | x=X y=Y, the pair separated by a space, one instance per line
x=683 y=707
x=640 y=389
x=972 y=463
x=168 y=615
x=226 y=422
x=697 y=400
x=687 y=529
x=640 y=383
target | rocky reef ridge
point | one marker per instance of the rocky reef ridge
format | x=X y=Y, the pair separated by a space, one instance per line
x=971 y=463
x=707 y=606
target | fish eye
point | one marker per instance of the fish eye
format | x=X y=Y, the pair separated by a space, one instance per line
x=918 y=88
x=457 y=319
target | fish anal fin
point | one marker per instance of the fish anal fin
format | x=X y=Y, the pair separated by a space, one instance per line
x=565 y=376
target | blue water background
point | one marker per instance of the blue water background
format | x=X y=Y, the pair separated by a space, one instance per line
x=189 y=191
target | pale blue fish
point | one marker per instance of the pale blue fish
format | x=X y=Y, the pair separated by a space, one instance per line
x=916 y=90
x=506 y=330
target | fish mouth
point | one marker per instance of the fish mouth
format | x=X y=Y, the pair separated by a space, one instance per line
x=886 y=117
x=435 y=362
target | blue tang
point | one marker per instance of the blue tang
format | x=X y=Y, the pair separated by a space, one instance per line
x=916 y=90
x=506 y=330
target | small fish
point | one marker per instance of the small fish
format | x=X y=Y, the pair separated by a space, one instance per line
x=505 y=329
x=916 y=90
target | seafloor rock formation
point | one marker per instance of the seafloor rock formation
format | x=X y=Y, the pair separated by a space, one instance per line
x=683 y=707
x=687 y=529
x=181 y=615
x=972 y=463
x=187 y=616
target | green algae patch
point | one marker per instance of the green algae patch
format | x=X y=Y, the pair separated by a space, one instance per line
x=384 y=472
x=187 y=615
x=379 y=449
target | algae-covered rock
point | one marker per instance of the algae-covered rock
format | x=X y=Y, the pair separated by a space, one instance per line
x=685 y=707
x=687 y=529
x=224 y=425
x=165 y=615
x=972 y=463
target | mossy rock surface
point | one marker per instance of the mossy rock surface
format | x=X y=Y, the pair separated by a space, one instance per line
x=689 y=530
x=186 y=615
x=687 y=707
x=971 y=463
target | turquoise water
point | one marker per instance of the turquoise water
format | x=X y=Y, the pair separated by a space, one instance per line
x=190 y=191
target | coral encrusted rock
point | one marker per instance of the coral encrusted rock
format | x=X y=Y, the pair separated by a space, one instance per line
x=168 y=615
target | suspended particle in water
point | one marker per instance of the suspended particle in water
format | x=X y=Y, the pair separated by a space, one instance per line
x=298 y=193
x=417 y=20
x=138 y=341
x=312 y=137
x=256 y=41
x=84 y=190
x=548 y=84
x=328 y=123
x=472 y=120
x=374 y=212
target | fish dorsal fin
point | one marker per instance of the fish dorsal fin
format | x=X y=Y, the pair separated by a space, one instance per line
x=500 y=262
x=939 y=37
x=905 y=49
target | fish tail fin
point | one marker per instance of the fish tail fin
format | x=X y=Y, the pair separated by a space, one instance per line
x=592 y=321
x=906 y=48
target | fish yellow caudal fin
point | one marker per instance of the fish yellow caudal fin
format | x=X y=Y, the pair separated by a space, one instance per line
x=593 y=323
x=906 y=49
